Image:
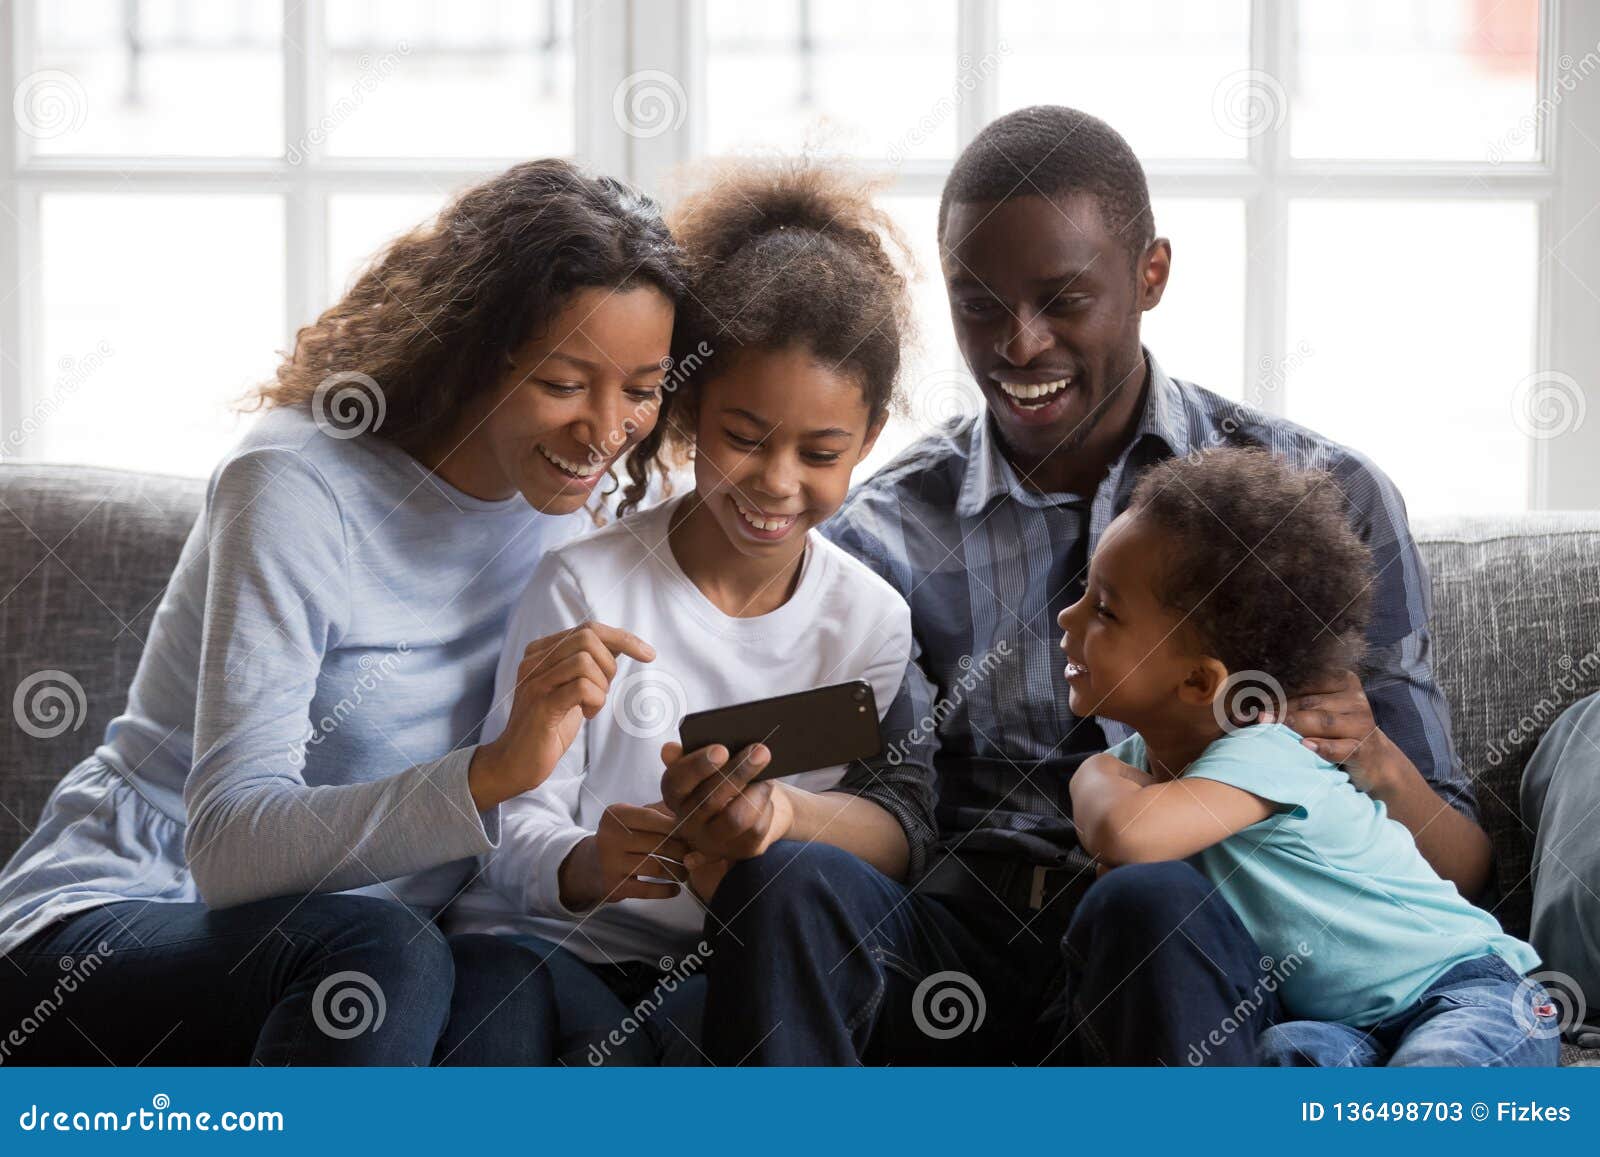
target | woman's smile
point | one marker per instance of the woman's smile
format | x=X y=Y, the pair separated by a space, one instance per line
x=580 y=474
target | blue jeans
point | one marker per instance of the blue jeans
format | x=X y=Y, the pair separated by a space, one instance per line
x=818 y=958
x=620 y=1014
x=1480 y=1013
x=305 y=980
x=1560 y=798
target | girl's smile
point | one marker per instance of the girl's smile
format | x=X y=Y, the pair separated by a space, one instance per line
x=764 y=527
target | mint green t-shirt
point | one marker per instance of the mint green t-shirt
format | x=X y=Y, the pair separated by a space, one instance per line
x=1356 y=922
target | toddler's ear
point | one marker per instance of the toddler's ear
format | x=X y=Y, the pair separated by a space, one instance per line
x=1204 y=683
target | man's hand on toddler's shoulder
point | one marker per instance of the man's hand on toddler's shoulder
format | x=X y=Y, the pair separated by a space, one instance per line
x=1335 y=720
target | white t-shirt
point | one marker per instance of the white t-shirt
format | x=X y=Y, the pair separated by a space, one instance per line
x=843 y=622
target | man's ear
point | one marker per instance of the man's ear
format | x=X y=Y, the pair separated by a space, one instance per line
x=1204 y=682
x=1155 y=266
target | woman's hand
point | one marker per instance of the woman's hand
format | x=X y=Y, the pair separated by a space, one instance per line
x=562 y=680
x=631 y=844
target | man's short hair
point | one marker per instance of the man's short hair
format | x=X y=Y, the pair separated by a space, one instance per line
x=1053 y=151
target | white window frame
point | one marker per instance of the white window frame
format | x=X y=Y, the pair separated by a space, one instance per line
x=616 y=39
x=599 y=49
x=1564 y=185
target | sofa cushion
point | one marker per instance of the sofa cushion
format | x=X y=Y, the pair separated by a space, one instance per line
x=85 y=555
x=1516 y=629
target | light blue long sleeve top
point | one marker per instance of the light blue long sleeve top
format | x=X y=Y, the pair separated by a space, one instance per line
x=305 y=710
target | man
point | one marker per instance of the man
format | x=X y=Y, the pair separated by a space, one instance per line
x=1560 y=798
x=1050 y=259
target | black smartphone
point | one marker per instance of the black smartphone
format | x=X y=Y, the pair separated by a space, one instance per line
x=805 y=731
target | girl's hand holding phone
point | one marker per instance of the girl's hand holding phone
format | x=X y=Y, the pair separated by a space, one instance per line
x=562 y=680
x=631 y=857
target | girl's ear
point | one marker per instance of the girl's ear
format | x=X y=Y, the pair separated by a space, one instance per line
x=872 y=436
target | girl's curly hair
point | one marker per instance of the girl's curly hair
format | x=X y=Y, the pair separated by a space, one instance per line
x=1261 y=560
x=435 y=318
x=782 y=254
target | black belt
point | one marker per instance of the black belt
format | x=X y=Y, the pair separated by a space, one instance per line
x=974 y=877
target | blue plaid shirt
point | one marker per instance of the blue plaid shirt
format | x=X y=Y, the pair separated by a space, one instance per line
x=980 y=743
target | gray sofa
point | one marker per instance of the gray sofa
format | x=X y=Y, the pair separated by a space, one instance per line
x=85 y=554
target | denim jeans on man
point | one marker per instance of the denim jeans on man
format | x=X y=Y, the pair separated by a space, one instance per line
x=819 y=958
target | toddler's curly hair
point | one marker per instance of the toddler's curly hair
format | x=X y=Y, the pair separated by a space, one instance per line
x=1262 y=562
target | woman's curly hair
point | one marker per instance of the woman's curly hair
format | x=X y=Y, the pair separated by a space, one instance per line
x=436 y=317
x=1261 y=561
x=784 y=253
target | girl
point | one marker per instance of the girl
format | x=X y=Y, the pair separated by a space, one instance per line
x=787 y=353
x=255 y=851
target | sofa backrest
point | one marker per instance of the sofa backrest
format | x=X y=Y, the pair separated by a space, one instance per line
x=1516 y=639
x=86 y=553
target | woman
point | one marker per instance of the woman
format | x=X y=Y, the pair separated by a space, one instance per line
x=253 y=856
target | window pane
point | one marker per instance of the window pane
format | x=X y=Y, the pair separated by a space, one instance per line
x=1163 y=73
x=161 y=77
x=1430 y=80
x=1411 y=347
x=879 y=79
x=1197 y=332
x=158 y=313
x=361 y=224
x=473 y=78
